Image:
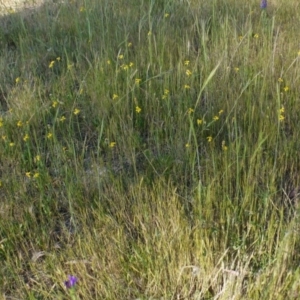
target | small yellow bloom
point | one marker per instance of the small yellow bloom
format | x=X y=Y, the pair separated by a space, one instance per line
x=120 y=56
x=209 y=138
x=112 y=144
x=187 y=145
x=108 y=62
x=186 y=86
x=115 y=96
x=0 y=183
x=224 y=147
x=167 y=15
x=256 y=35
x=138 y=80
x=149 y=33
x=216 y=118
x=18 y=79
x=82 y=9
x=166 y=92
x=28 y=174
x=19 y=124
x=124 y=67
x=37 y=158
x=190 y=110
x=281 y=110
x=188 y=72
x=76 y=111
x=186 y=62
x=36 y=175
x=4 y=137
x=286 y=88
x=62 y=119
x=1 y=122
x=220 y=112
x=280 y=79
x=54 y=103
x=26 y=137
x=11 y=144
x=236 y=69
x=58 y=58
x=129 y=44
x=241 y=37
x=281 y=118
x=51 y=64
x=131 y=64
x=199 y=121
x=138 y=109
x=49 y=135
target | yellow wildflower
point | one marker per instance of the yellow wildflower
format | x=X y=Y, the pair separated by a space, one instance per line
x=112 y=144
x=62 y=119
x=209 y=138
x=256 y=35
x=224 y=147
x=138 y=109
x=167 y=15
x=108 y=62
x=19 y=124
x=221 y=111
x=188 y=72
x=186 y=62
x=236 y=69
x=115 y=96
x=199 y=121
x=54 y=103
x=58 y=58
x=120 y=56
x=51 y=64
x=11 y=144
x=18 y=79
x=37 y=158
x=76 y=111
x=28 y=174
x=131 y=64
x=1 y=122
x=190 y=110
x=187 y=145
x=36 y=175
x=26 y=137
x=280 y=79
x=129 y=44
x=186 y=86
x=281 y=118
x=138 y=80
x=215 y=118
x=149 y=33
x=49 y=135
x=286 y=88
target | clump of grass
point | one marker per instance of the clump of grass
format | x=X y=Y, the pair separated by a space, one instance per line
x=151 y=151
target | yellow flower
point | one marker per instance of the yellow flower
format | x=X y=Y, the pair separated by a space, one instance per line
x=167 y=15
x=19 y=124
x=54 y=103
x=36 y=175
x=108 y=62
x=51 y=64
x=62 y=119
x=82 y=9
x=18 y=79
x=209 y=138
x=11 y=144
x=286 y=88
x=221 y=111
x=224 y=147
x=241 y=37
x=112 y=144
x=186 y=62
x=1 y=122
x=26 y=137
x=0 y=183
x=131 y=64
x=186 y=86
x=190 y=110
x=281 y=118
x=115 y=96
x=76 y=111
x=256 y=35
x=129 y=44
x=28 y=174
x=149 y=33
x=188 y=72
x=187 y=145
x=280 y=79
x=236 y=69
x=4 y=137
x=199 y=121
x=281 y=110
x=58 y=58
x=37 y=158
x=138 y=80
x=138 y=109
x=166 y=92
x=215 y=118
x=120 y=56
x=49 y=135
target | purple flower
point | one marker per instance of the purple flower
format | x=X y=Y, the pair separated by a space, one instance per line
x=263 y=4
x=71 y=281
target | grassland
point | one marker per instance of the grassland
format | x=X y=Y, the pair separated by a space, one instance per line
x=151 y=149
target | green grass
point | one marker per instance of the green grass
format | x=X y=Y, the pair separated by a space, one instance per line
x=148 y=148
